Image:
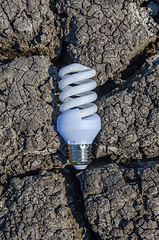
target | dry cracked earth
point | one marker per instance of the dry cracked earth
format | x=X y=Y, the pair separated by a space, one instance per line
x=117 y=196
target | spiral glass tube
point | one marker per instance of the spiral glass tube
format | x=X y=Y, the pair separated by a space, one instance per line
x=78 y=111
x=80 y=94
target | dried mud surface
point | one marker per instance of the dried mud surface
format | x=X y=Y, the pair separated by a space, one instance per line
x=130 y=118
x=28 y=28
x=122 y=202
x=41 y=196
x=105 y=34
x=28 y=139
x=36 y=207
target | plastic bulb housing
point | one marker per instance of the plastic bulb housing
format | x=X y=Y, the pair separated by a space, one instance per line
x=78 y=124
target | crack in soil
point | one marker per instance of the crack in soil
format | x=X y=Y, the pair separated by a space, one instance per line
x=78 y=206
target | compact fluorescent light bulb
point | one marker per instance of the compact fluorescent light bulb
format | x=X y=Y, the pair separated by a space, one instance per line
x=78 y=124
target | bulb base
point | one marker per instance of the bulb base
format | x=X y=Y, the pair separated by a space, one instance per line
x=80 y=155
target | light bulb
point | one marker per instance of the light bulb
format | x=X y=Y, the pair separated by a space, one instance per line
x=78 y=124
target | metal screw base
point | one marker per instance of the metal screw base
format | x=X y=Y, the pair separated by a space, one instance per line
x=79 y=154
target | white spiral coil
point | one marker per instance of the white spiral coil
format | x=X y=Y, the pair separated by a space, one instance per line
x=76 y=87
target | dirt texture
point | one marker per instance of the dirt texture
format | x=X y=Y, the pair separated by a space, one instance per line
x=122 y=203
x=105 y=34
x=130 y=115
x=36 y=207
x=41 y=195
x=28 y=27
x=28 y=139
